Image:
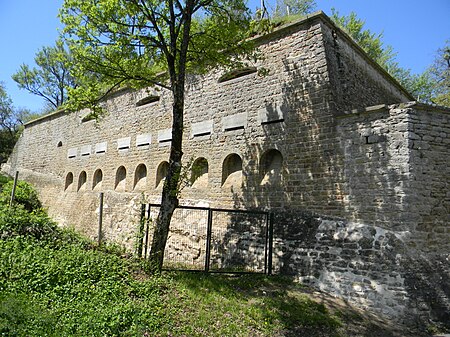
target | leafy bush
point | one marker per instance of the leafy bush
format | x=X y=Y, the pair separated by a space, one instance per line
x=3 y=180
x=17 y=221
x=25 y=195
x=72 y=291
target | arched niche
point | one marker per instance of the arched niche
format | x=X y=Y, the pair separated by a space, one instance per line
x=140 y=177
x=199 y=173
x=82 y=179
x=161 y=173
x=271 y=167
x=121 y=177
x=69 y=182
x=97 y=180
x=232 y=171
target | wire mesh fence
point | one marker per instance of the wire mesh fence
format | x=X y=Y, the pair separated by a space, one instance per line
x=211 y=239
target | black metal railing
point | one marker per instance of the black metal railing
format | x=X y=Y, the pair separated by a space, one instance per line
x=212 y=239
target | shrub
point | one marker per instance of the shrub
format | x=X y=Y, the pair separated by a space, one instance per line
x=24 y=195
x=16 y=220
x=3 y=180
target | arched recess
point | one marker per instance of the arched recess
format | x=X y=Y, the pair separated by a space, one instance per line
x=199 y=173
x=121 y=175
x=161 y=173
x=82 y=178
x=97 y=181
x=232 y=171
x=59 y=144
x=140 y=177
x=69 y=181
x=271 y=167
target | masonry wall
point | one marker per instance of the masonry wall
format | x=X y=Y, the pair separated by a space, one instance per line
x=358 y=193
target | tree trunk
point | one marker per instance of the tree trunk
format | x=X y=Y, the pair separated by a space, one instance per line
x=169 y=199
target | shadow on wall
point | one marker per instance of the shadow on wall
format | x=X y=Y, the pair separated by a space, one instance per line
x=355 y=168
x=376 y=170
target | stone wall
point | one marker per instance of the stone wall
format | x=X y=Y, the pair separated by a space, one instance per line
x=290 y=142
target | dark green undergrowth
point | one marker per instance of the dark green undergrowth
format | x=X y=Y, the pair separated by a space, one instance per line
x=49 y=289
x=55 y=283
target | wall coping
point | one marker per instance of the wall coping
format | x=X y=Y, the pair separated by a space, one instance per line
x=277 y=32
x=384 y=108
x=54 y=114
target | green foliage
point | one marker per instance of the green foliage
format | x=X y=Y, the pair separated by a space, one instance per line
x=76 y=292
x=21 y=314
x=63 y=289
x=372 y=43
x=294 y=7
x=52 y=77
x=439 y=74
x=25 y=217
x=11 y=120
x=17 y=221
x=3 y=181
x=24 y=195
x=129 y=43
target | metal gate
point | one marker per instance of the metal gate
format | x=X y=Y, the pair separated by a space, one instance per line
x=212 y=239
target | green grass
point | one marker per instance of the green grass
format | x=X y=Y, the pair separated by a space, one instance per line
x=55 y=283
x=49 y=289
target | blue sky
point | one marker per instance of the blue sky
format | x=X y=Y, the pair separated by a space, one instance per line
x=414 y=28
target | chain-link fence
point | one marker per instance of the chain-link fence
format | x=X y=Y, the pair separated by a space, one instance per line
x=211 y=239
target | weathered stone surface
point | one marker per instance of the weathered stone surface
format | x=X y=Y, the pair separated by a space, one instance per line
x=323 y=131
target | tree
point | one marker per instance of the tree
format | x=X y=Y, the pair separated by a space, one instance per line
x=294 y=7
x=10 y=121
x=439 y=74
x=372 y=43
x=141 y=43
x=51 y=78
x=432 y=86
x=419 y=85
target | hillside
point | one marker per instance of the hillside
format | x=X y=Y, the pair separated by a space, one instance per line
x=55 y=283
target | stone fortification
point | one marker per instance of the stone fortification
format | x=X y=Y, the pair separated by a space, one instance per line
x=357 y=191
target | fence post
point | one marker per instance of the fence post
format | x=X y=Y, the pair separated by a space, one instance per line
x=140 y=236
x=146 y=230
x=208 y=240
x=269 y=262
x=100 y=219
x=266 y=241
x=13 y=192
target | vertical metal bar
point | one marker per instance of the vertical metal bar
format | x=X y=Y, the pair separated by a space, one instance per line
x=140 y=237
x=13 y=192
x=100 y=219
x=266 y=240
x=147 y=230
x=208 y=240
x=269 y=262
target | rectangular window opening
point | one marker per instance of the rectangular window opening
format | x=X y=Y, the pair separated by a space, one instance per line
x=234 y=128
x=273 y=121
x=202 y=134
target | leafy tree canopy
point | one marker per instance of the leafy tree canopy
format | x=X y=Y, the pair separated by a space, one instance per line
x=141 y=43
x=439 y=74
x=145 y=43
x=294 y=7
x=419 y=85
x=11 y=119
x=51 y=78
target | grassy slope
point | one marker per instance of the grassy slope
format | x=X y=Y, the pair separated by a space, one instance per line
x=54 y=283
x=58 y=289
